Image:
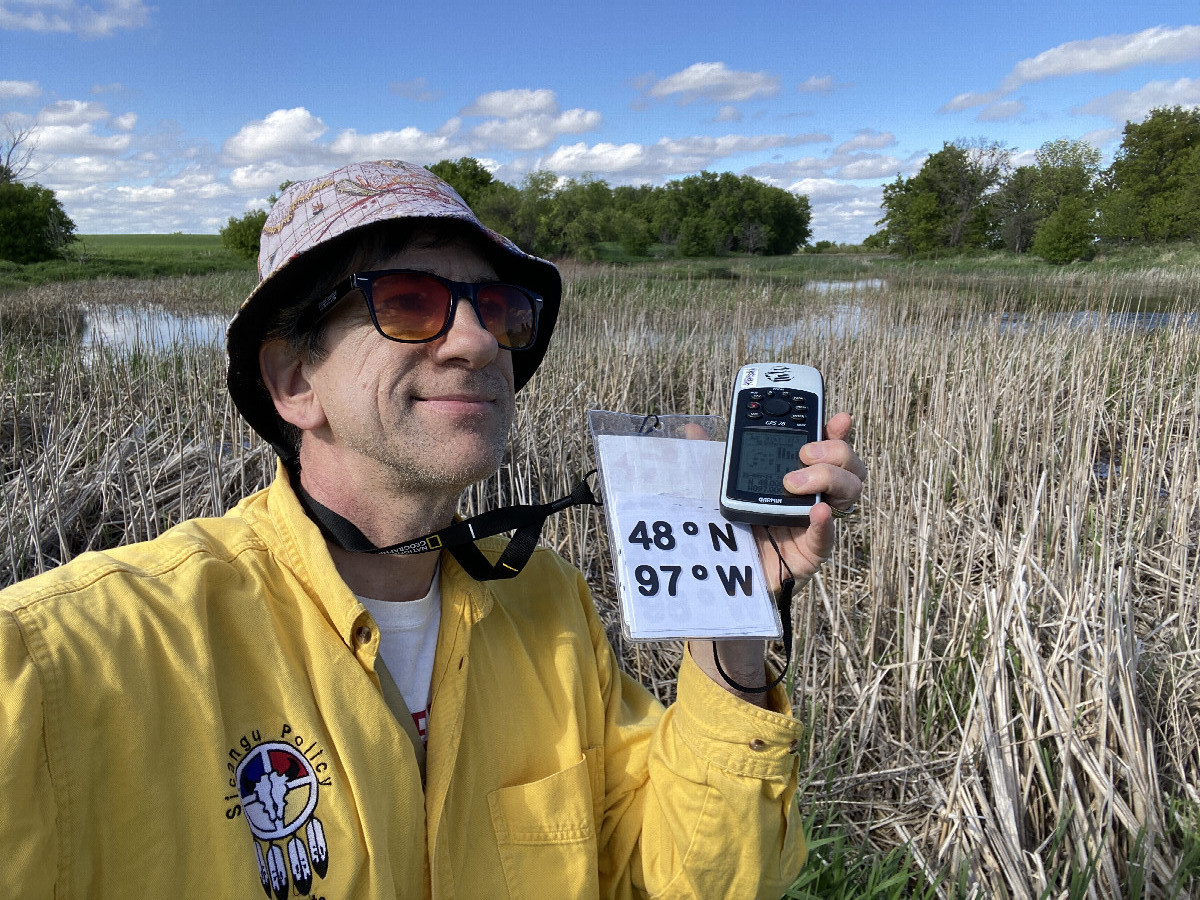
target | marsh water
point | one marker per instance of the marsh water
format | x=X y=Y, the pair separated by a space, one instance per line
x=149 y=328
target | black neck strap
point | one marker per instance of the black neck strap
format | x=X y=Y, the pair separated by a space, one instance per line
x=525 y=520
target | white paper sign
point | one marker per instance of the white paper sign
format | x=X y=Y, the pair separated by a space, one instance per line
x=683 y=571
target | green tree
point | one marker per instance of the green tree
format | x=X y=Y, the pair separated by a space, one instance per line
x=466 y=175
x=1068 y=233
x=1016 y=210
x=241 y=236
x=946 y=204
x=1065 y=168
x=1154 y=180
x=33 y=225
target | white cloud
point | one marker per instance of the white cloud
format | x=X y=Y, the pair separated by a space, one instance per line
x=88 y=171
x=969 y=100
x=513 y=104
x=69 y=127
x=867 y=139
x=283 y=133
x=72 y=112
x=850 y=160
x=1001 y=111
x=68 y=16
x=668 y=156
x=407 y=143
x=523 y=120
x=145 y=193
x=535 y=130
x=869 y=165
x=19 y=90
x=80 y=139
x=417 y=89
x=816 y=84
x=715 y=82
x=1113 y=53
x=1124 y=106
x=267 y=176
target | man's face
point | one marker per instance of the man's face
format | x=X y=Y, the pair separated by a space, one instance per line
x=426 y=417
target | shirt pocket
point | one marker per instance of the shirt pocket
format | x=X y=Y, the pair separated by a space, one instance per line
x=546 y=832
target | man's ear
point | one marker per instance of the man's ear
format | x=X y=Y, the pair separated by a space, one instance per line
x=284 y=374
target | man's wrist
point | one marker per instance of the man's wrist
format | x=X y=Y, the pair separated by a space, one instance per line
x=742 y=660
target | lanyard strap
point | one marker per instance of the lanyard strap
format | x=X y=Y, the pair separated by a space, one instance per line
x=787 y=584
x=525 y=520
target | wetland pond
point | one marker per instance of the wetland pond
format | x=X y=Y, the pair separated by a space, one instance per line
x=153 y=329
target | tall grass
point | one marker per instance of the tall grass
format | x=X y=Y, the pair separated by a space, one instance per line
x=999 y=670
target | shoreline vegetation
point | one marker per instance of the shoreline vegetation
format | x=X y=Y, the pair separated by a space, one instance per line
x=999 y=670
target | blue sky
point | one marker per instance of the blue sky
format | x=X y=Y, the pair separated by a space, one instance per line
x=174 y=116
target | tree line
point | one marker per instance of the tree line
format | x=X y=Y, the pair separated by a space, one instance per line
x=969 y=196
x=709 y=214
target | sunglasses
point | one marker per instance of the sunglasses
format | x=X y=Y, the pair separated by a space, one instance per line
x=417 y=307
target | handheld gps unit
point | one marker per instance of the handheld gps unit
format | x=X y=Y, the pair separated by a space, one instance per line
x=776 y=409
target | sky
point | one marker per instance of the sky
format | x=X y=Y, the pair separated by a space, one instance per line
x=171 y=116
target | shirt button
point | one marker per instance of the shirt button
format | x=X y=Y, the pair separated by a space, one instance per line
x=363 y=635
x=758 y=744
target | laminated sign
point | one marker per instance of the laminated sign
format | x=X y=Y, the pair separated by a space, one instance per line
x=682 y=570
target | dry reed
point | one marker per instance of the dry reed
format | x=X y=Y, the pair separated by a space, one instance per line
x=998 y=669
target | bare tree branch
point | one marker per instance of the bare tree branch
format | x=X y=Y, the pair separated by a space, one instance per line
x=18 y=144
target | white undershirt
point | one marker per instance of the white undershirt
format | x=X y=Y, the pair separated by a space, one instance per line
x=408 y=634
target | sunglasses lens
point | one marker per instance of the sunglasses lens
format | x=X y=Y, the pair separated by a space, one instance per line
x=410 y=307
x=507 y=312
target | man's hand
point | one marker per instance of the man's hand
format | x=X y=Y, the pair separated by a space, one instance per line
x=831 y=469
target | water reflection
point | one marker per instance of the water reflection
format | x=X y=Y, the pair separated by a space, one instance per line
x=149 y=328
x=1089 y=320
x=847 y=287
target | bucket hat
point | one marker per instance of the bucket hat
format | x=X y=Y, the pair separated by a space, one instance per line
x=314 y=213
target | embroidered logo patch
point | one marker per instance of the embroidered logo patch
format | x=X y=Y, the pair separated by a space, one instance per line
x=277 y=788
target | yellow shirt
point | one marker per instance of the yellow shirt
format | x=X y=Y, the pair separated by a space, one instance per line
x=199 y=715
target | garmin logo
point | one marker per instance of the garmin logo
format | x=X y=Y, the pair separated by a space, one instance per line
x=778 y=500
x=779 y=373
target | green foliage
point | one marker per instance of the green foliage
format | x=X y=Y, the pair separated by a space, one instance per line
x=241 y=236
x=1153 y=184
x=33 y=225
x=1016 y=209
x=837 y=870
x=135 y=256
x=465 y=175
x=582 y=218
x=946 y=204
x=1067 y=234
x=1065 y=168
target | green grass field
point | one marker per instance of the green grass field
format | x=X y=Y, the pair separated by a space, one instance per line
x=96 y=256
x=128 y=256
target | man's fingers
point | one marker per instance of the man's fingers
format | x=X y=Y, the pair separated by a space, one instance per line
x=839 y=427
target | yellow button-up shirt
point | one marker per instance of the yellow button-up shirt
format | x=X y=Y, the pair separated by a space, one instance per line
x=199 y=715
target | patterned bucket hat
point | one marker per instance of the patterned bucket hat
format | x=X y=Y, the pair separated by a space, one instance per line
x=313 y=213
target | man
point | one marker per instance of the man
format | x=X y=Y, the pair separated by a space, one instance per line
x=246 y=703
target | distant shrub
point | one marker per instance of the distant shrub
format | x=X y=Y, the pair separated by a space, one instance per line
x=33 y=226
x=241 y=236
x=1067 y=234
